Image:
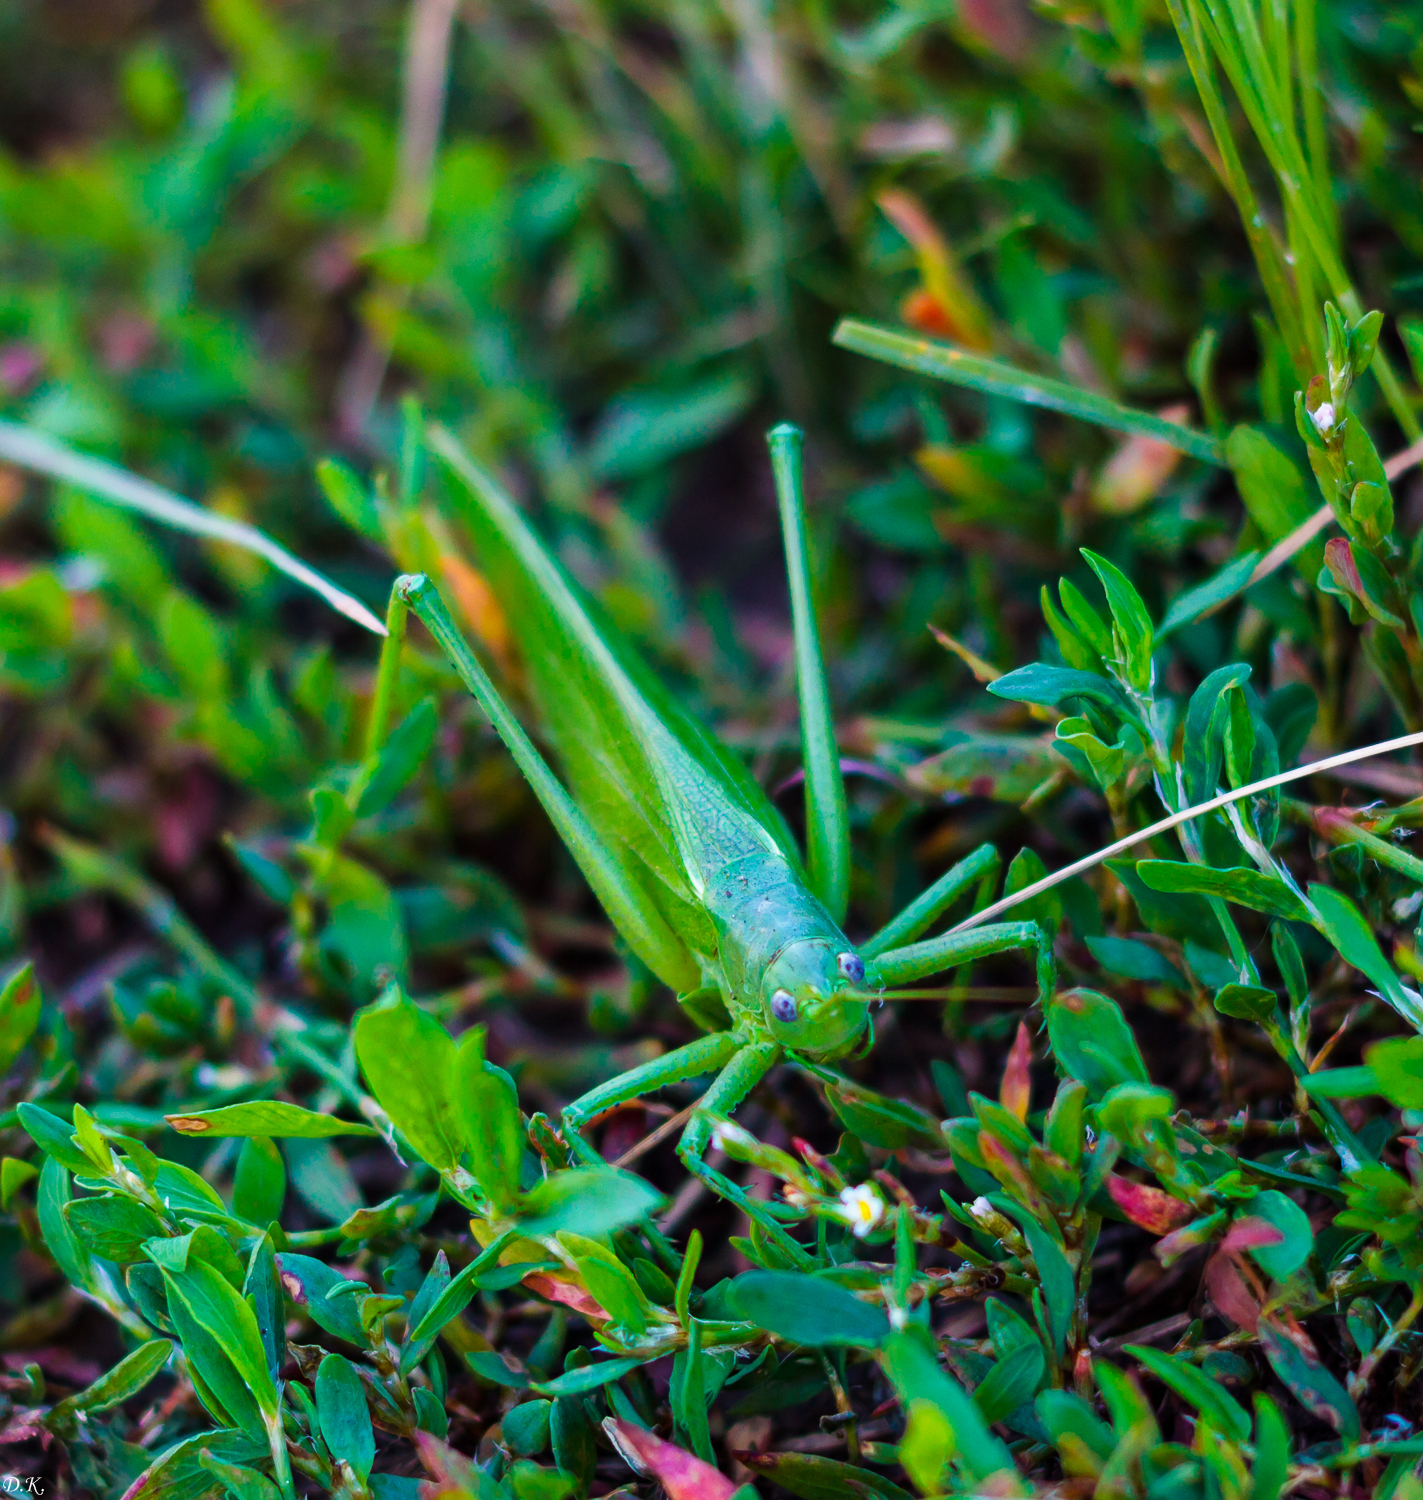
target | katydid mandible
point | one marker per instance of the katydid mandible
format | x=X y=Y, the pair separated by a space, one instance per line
x=688 y=857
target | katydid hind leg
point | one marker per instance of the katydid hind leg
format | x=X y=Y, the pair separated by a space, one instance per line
x=707 y=1054
x=639 y=921
x=826 y=813
x=745 y=1070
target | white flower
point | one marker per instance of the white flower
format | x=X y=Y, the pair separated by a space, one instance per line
x=725 y=1135
x=862 y=1209
x=1324 y=418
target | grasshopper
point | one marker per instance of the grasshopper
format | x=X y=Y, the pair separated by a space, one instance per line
x=691 y=862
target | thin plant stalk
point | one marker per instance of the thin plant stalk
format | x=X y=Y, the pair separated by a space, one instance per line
x=1186 y=814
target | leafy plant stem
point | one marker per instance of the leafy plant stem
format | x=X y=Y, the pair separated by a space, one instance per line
x=1359 y=1382
x=1352 y=1151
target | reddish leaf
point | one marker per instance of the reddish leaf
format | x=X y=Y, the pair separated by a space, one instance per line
x=1230 y=1293
x=683 y=1475
x=452 y=1476
x=1138 y=469
x=1017 y=1084
x=1148 y=1207
x=1339 y=559
x=1250 y=1233
x=566 y=1292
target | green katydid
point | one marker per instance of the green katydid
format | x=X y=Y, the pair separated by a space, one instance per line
x=688 y=857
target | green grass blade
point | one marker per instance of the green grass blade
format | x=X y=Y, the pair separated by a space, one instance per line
x=944 y=362
x=105 y=481
x=827 y=819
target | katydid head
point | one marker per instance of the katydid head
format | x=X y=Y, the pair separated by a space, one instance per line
x=813 y=998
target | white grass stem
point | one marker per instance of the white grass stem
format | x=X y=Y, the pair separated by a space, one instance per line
x=1344 y=758
x=105 y=481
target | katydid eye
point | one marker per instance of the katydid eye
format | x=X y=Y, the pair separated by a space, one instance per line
x=852 y=967
x=783 y=1006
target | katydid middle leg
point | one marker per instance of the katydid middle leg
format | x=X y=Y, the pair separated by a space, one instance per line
x=708 y=1054
x=745 y=1070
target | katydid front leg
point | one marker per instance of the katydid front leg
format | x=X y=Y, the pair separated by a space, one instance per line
x=918 y=960
x=708 y=1054
x=743 y=1065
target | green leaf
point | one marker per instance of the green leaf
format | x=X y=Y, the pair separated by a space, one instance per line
x=14 y=1174
x=1092 y=1042
x=1343 y=924
x=54 y=1136
x=1246 y=1002
x=402 y=755
x=1059 y=1285
x=641 y=431
x=1209 y=1398
x=19 y=1014
x=1131 y=959
x=350 y=499
x=945 y=362
x=1310 y=1383
x=126 y=1379
x=1133 y=634
x=914 y=1372
x=345 y=1419
x=586 y=1378
x=1272 y=1450
x=526 y=1427
x=309 y=1282
x=322 y=1180
x=1284 y=1259
x=926 y=1447
x=1049 y=686
x=179 y=1473
x=809 y=1310
x=408 y=1059
x=1397 y=1066
x=1065 y=1412
x=815 y=1478
x=1278 y=495
x=1245 y=887
x=238 y=1480
x=1201 y=750
x=226 y=1316
x=113 y=1226
x=588 y=1200
x=1011 y=1382
x=1216 y=589
x=609 y=1282
x=363 y=926
x=259 y=1184
x=493 y=1123
x=271 y=1118
x=69 y=1255
x=192 y=641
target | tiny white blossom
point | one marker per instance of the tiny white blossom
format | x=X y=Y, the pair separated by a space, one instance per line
x=862 y=1208
x=1324 y=418
x=725 y=1134
x=898 y=1317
